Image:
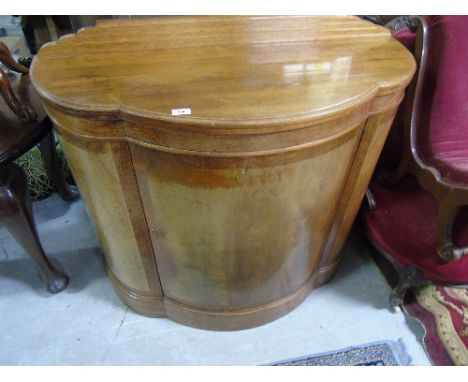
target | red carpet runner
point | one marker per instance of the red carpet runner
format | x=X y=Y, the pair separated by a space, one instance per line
x=443 y=312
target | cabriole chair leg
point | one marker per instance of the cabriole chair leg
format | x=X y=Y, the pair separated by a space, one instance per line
x=16 y=216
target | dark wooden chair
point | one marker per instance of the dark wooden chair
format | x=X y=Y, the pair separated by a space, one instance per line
x=419 y=198
x=24 y=124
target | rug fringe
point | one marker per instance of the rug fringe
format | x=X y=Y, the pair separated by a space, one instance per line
x=396 y=348
x=401 y=351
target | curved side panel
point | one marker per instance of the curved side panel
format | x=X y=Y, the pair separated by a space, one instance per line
x=104 y=174
x=373 y=139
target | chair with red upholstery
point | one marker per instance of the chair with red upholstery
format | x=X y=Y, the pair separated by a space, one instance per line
x=419 y=214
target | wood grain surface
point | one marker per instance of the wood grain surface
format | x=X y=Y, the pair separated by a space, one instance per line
x=228 y=217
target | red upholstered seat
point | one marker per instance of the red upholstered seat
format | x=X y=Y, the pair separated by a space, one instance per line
x=443 y=142
x=404 y=225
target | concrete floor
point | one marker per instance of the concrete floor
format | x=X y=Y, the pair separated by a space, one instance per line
x=87 y=324
x=11 y=25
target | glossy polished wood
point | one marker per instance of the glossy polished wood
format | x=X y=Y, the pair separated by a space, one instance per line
x=226 y=218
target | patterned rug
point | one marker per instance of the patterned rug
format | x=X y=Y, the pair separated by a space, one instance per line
x=384 y=353
x=443 y=312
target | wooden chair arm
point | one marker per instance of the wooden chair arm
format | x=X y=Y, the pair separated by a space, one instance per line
x=23 y=111
x=7 y=59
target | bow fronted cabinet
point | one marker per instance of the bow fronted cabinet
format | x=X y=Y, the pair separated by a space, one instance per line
x=223 y=160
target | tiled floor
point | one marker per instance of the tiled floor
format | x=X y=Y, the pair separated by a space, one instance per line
x=88 y=325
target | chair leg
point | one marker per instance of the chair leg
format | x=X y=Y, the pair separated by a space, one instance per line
x=52 y=164
x=16 y=216
x=408 y=277
x=446 y=214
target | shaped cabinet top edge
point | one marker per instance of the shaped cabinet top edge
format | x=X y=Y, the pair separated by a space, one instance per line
x=223 y=71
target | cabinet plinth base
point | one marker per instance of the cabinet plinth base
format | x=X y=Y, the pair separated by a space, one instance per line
x=157 y=306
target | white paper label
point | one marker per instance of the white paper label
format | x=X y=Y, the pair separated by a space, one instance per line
x=184 y=111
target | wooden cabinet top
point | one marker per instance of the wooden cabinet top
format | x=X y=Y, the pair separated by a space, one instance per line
x=256 y=71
